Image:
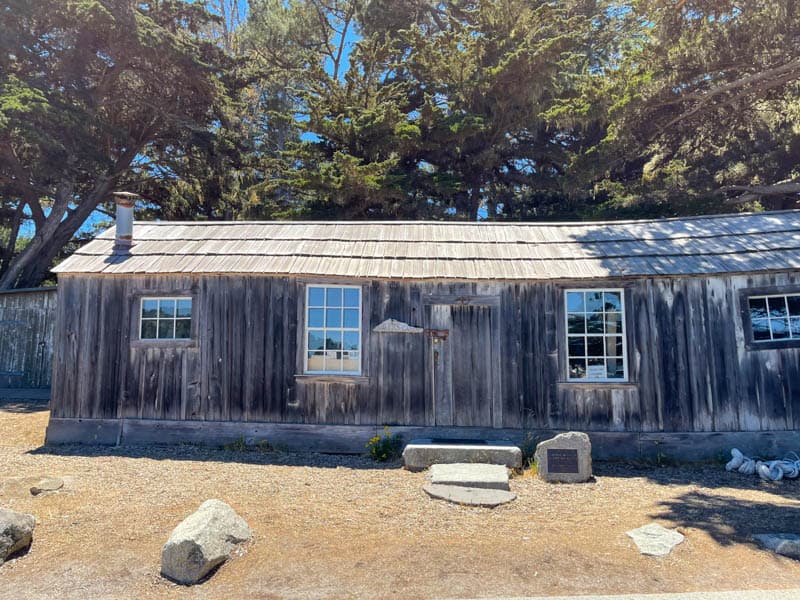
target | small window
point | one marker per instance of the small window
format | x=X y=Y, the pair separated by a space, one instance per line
x=775 y=318
x=333 y=330
x=166 y=319
x=595 y=324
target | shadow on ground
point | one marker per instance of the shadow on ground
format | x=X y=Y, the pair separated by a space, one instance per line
x=727 y=519
x=711 y=476
x=23 y=405
x=197 y=452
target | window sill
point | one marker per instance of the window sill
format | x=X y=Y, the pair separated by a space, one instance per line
x=326 y=378
x=773 y=344
x=163 y=343
x=598 y=383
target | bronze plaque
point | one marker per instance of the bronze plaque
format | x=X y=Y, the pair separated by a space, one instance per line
x=561 y=460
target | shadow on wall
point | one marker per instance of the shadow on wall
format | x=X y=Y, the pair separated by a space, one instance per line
x=696 y=371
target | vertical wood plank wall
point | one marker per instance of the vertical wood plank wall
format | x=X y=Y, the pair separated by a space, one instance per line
x=688 y=364
x=27 y=320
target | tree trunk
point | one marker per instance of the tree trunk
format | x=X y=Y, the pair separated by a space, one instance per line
x=8 y=252
x=30 y=266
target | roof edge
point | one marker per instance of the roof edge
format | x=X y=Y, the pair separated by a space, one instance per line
x=479 y=223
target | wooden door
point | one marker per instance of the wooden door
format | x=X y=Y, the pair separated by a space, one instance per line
x=464 y=365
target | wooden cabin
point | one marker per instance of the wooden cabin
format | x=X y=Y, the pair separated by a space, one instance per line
x=27 y=319
x=678 y=336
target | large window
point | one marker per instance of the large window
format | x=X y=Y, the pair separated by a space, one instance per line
x=775 y=318
x=595 y=335
x=165 y=319
x=333 y=330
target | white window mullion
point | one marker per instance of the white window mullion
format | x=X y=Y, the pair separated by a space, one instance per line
x=156 y=320
x=767 y=327
x=333 y=361
x=580 y=307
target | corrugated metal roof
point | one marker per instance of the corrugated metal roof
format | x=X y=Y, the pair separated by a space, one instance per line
x=454 y=250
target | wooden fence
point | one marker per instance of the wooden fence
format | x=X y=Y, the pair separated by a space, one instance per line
x=27 y=319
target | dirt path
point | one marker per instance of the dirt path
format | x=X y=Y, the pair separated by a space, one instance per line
x=339 y=527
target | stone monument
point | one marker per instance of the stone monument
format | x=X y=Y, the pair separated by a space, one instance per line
x=566 y=458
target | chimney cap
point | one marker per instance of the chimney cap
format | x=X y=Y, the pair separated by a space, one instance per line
x=125 y=199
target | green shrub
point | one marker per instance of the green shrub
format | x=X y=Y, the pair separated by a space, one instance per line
x=265 y=446
x=385 y=448
x=237 y=445
x=241 y=445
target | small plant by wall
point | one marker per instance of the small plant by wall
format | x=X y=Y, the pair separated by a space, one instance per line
x=385 y=448
x=528 y=447
x=242 y=445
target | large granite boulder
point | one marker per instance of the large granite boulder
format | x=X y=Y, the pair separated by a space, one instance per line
x=202 y=542
x=566 y=458
x=16 y=532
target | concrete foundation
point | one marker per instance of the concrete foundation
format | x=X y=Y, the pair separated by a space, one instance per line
x=351 y=439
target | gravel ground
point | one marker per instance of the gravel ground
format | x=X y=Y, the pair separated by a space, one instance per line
x=344 y=527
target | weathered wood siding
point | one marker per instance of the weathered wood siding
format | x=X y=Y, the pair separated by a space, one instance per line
x=27 y=320
x=689 y=367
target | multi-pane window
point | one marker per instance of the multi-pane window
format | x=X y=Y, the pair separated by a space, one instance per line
x=165 y=319
x=595 y=335
x=775 y=317
x=333 y=330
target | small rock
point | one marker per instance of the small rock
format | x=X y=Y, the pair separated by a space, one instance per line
x=47 y=484
x=785 y=544
x=16 y=532
x=566 y=458
x=655 y=540
x=474 y=475
x=203 y=541
x=457 y=494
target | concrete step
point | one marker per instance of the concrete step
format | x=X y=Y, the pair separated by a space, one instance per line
x=469 y=496
x=420 y=454
x=472 y=475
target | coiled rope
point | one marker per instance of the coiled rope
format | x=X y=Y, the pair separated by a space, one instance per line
x=770 y=470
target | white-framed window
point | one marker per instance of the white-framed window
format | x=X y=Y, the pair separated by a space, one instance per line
x=595 y=326
x=775 y=317
x=333 y=330
x=162 y=318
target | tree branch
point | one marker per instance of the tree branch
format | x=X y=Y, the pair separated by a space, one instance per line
x=758 y=82
x=775 y=189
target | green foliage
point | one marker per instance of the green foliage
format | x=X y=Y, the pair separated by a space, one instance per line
x=241 y=445
x=390 y=109
x=703 y=104
x=237 y=445
x=385 y=448
x=94 y=96
x=441 y=111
